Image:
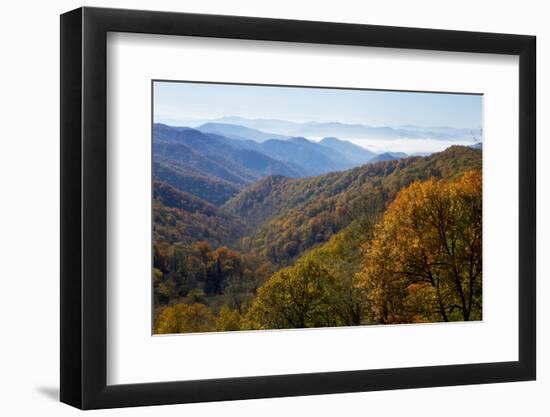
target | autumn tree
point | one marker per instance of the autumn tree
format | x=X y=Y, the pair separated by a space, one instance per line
x=424 y=262
x=185 y=318
x=228 y=320
x=304 y=295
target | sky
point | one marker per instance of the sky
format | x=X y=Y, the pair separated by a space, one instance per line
x=177 y=103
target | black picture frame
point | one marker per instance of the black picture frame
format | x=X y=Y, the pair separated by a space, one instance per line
x=84 y=207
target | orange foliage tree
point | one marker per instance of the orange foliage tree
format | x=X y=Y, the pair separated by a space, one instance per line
x=424 y=262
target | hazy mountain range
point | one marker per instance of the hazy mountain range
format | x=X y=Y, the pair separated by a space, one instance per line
x=343 y=130
x=215 y=161
x=239 y=132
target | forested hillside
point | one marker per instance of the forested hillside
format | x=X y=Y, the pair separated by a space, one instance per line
x=291 y=216
x=179 y=217
x=237 y=235
x=213 y=190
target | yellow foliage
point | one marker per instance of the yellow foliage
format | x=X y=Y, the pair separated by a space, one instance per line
x=228 y=319
x=185 y=318
x=424 y=262
x=304 y=295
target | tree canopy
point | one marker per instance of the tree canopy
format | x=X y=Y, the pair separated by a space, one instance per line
x=304 y=295
x=424 y=262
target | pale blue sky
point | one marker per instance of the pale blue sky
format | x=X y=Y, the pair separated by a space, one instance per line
x=179 y=102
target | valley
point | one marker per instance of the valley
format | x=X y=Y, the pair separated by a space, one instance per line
x=259 y=230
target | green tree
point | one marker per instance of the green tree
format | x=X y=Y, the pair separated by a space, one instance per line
x=304 y=295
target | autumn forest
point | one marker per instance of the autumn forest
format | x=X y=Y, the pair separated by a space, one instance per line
x=262 y=229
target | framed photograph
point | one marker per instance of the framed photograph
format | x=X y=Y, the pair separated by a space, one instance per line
x=258 y=208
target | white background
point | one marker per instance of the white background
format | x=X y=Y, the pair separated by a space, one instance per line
x=133 y=60
x=29 y=219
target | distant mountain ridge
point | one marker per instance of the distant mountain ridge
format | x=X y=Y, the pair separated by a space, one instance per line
x=343 y=154
x=314 y=159
x=349 y=130
x=233 y=131
x=388 y=156
x=212 y=156
x=214 y=167
x=352 y=152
